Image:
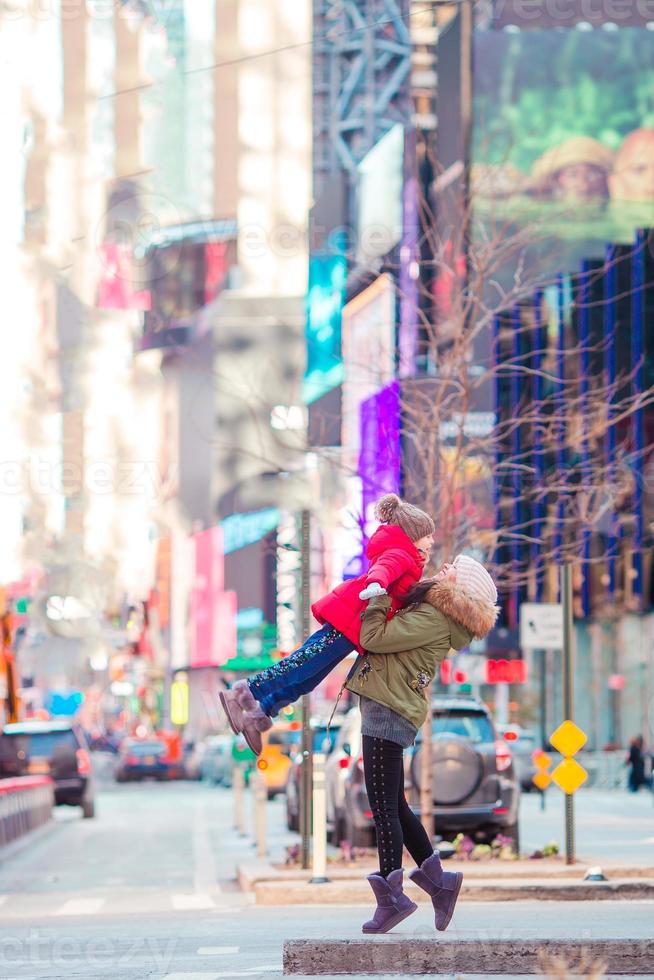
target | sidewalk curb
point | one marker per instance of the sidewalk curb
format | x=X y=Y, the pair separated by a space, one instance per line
x=541 y=890
x=413 y=955
x=482 y=883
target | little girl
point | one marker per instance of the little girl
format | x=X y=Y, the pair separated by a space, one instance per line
x=397 y=551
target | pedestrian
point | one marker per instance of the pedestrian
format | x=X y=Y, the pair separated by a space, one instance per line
x=443 y=612
x=636 y=762
x=398 y=551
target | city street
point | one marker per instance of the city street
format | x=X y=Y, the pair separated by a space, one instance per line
x=147 y=890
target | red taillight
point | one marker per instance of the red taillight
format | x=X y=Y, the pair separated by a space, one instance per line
x=500 y=809
x=511 y=736
x=131 y=760
x=503 y=757
x=83 y=762
x=344 y=762
x=367 y=814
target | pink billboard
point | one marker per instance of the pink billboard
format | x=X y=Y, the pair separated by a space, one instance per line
x=213 y=611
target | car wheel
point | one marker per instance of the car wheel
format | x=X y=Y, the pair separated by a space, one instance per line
x=88 y=809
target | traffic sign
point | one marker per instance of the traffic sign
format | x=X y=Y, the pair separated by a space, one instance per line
x=541 y=778
x=541 y=626
x=569 y=775
x=568 y=738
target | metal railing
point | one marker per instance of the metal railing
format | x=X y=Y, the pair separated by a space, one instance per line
x=26 y=802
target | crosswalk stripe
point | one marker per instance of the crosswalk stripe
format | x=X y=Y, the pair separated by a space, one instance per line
x=80 y=906
x=218 y=950
x=182 y=903
x=3 y=899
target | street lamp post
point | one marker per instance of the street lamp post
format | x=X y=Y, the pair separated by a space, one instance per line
x=306 y=782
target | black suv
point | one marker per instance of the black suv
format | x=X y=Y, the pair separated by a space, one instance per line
x=474 y=785
x=57 y=749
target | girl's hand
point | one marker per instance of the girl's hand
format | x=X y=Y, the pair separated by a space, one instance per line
x=372 y=590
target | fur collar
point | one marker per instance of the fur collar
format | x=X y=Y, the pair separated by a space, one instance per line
x=476 y=616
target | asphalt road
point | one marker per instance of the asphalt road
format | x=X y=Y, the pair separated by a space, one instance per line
x=147 y=890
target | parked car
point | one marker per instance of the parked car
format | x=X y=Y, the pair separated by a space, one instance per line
x=474 y=785
x=475 y=789
x=59 y=749
x=143 y=758
x=217 y=760
x=323 y=740
x=522 y=743
x=343 y=824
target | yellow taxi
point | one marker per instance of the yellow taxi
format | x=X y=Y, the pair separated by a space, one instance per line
x=274 y=761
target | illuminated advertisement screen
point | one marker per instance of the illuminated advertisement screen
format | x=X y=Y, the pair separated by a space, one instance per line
x=563 y=140
x=368 y=356
x=380 y=181
x=379 y=460
x=324 y=306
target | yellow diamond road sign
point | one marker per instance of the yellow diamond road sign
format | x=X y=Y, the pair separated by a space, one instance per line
x=569 y=775
x=542 y=779
x=568 y=738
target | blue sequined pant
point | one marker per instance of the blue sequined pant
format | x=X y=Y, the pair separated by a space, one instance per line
x=301 y=671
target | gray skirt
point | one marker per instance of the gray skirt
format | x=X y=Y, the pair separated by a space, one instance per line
x=378 y=721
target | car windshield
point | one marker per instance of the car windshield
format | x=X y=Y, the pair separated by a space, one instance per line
x=475 y=727
x=41 y=745
x=146 y=748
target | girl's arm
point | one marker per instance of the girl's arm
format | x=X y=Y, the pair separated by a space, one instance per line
x=390 y=566
x=405 y=631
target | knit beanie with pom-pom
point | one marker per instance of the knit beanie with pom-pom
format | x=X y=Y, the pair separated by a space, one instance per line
x=415 y=523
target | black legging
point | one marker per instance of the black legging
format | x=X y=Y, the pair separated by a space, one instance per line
x=396 y=824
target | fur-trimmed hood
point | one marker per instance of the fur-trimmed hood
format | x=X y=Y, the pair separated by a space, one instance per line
x=475 y=616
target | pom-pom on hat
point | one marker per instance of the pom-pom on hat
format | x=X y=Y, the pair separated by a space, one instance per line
x=415 y=523
x=473 y=579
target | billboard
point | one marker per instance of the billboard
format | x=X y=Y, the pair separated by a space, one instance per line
x=368 y=356
x=212 y=610
x=563 y=141
x=324 y=305
x=380 y=183
x=379 y=460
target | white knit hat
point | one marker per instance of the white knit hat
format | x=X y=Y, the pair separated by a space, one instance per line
x=473 y=579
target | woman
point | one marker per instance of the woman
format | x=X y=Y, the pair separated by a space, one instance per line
x=636 y=761
x=448 y=610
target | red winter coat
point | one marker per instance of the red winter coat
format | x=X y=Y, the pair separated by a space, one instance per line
x=395 y=563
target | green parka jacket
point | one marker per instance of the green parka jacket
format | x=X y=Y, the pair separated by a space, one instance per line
x=403 y=653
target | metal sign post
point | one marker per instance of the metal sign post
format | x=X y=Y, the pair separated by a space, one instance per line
x=306 y=778
x=568 y=697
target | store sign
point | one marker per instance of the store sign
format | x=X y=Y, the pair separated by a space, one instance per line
x=506 y=672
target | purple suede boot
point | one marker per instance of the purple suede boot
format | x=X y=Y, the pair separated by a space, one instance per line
x=443 y=888
x=392 y=904
x=245 y=715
